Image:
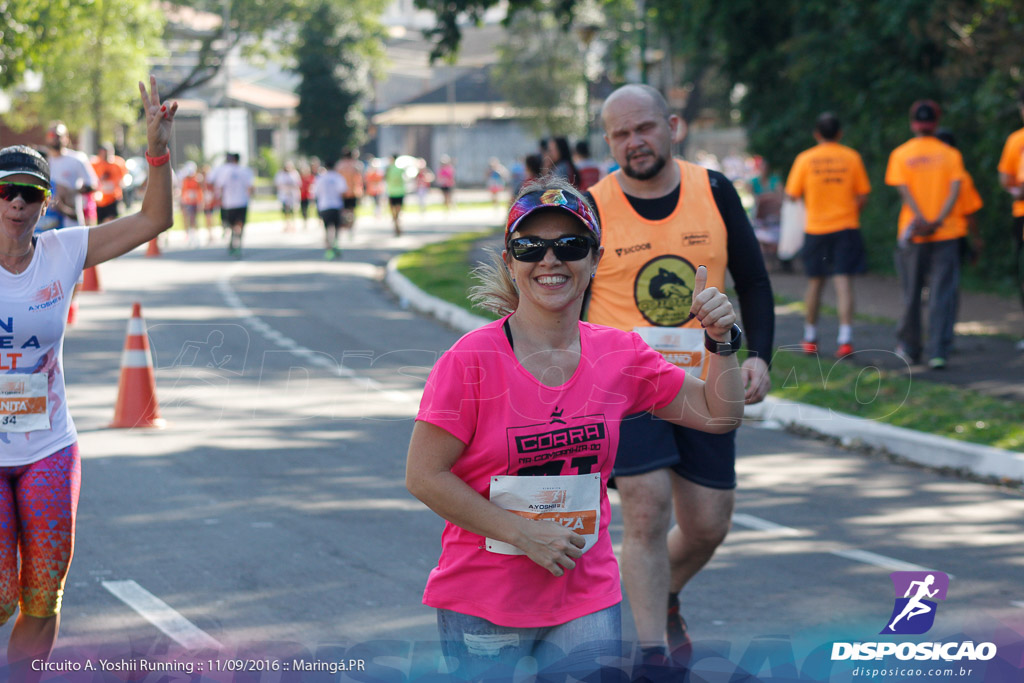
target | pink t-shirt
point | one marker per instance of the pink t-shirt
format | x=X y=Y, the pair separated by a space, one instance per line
x=513 y=424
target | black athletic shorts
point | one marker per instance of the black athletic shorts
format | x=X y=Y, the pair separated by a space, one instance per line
x=350 y=203
x=647 y=443
x=235 y=216
x=834 y=253
x=106 y=213
x=331 y=218
x=396 y=201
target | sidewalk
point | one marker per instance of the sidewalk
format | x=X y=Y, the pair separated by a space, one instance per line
x=985 y=360
x=985 y=357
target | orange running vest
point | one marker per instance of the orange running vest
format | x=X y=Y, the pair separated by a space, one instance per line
x=644 y=282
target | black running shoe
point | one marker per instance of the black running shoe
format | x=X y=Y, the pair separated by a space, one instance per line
x=675 y=627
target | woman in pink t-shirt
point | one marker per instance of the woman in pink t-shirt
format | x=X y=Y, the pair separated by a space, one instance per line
x=515 y=441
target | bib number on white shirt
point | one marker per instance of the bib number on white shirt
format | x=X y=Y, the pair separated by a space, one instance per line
x=23 y=403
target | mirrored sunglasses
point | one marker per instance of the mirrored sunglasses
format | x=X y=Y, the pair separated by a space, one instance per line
x=567 y=248
x=32 y=194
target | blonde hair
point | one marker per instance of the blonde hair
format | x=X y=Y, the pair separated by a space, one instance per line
x=495 y=290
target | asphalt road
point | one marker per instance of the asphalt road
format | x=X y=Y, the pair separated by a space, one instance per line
x=270 y=517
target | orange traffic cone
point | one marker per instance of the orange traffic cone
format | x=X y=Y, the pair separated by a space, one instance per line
x=90 y=280
x=136 y=392
x=153 y=249
x=73 y=311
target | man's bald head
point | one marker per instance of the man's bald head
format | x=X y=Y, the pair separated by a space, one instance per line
x=639 y=95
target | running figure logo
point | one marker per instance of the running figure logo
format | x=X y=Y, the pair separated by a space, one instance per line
x=914 y=612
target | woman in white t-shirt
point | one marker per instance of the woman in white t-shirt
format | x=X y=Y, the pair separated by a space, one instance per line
x=40 y=470
x=515 y=440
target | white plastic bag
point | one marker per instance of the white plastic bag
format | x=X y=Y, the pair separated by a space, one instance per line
x=791 y=238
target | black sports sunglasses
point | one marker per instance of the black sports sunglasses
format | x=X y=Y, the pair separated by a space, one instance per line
x=567 y=248
x=30 y=193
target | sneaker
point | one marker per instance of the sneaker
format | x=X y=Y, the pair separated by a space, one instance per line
x=909 y=359
x=937 y=363
x=329 y=254
x=844 y=350
x=675 y=627
x=809 y=347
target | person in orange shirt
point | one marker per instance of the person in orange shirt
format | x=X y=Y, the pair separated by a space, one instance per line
x=928 y=174
x=351 y=169
x=191 y=200
x=968 y=203
x=110 y=171
x=1011 y=177
x=831 y=180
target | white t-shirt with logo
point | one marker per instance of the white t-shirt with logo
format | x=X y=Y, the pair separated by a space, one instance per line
x=33 y=315
x=73 y=170
x=233 y=182
x=328 y=190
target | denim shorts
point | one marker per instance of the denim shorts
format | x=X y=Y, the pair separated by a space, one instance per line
x=478 y=649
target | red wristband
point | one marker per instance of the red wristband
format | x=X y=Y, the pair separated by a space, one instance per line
x=160 y=160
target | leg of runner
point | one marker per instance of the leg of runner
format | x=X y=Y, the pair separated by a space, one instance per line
x=646 y=504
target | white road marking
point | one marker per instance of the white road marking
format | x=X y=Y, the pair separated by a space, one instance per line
x=752 y=522
x=159 y=613
x=855 y=554
x=1017 y=603
x=883 y=561
x=316 y=358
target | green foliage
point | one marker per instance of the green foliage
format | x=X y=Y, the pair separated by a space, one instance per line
x=267 y=164
x=539 y=71
x=90 y=57
x=336 y=50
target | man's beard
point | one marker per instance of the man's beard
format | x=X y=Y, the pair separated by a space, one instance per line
x=655 y=169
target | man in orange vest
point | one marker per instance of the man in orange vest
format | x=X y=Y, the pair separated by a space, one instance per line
x=928 y=174
x=663 y=218
x=1010 y=173
x=831 y=180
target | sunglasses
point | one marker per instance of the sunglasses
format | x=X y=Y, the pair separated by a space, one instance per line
x=32 y=194
x=567 y=248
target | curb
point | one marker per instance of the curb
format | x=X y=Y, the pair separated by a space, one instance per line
x=919 y=447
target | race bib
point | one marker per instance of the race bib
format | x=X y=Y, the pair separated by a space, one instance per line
x=23 y=403
x=573 y=500
x=681 y=346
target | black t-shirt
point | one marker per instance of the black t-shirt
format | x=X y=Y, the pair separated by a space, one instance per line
x=746 y=264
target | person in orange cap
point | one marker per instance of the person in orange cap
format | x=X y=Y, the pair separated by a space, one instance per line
x=40 y=470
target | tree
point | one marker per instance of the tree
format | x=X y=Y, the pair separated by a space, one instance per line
x=337 y=48
x=540 y=72
x=90 y=57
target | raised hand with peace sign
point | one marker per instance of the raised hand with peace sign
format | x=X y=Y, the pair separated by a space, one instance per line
x=121 y=235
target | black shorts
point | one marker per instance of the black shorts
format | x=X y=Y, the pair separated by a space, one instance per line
x=304 y=206
x=106 y=213
x=396 y=201
x=647 y=444
x=235 y=216
x=331 y=218
x=834 y=253
x=350 y=203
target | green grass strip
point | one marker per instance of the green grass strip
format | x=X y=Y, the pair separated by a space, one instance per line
x=897 y=399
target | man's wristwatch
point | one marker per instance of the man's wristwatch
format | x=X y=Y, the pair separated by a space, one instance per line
x=724 y=348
